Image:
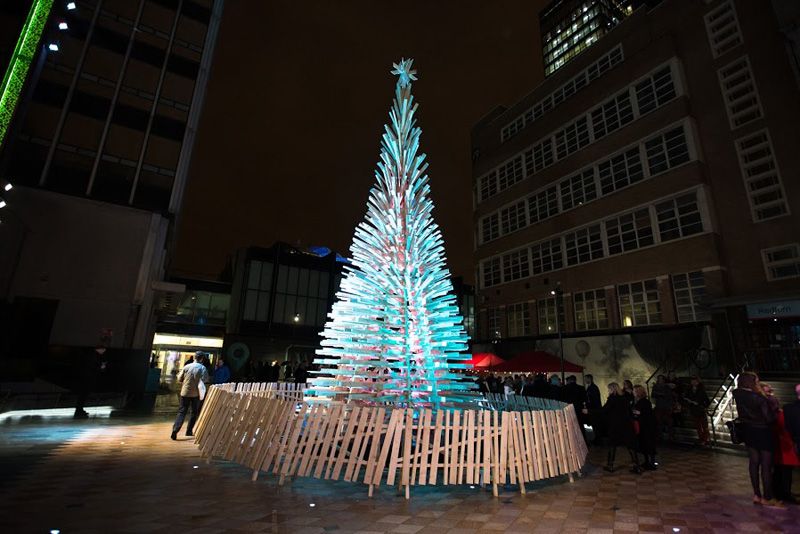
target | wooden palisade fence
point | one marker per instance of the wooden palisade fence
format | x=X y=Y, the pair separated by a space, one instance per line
x=501 y=439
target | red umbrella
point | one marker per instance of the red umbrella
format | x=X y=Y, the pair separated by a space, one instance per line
x=537 y=362
x=477 y=358
x=490 y=360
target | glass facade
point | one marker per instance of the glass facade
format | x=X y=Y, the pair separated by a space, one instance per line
x=570 y=26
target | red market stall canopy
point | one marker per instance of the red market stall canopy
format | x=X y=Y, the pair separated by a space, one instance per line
x=537 y=362
x=486 y=361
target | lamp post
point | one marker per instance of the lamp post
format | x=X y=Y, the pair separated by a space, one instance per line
x=558 y=293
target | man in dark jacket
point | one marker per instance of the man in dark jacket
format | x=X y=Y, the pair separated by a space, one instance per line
x=791 y=417
x=575 y=395
x=594 y=405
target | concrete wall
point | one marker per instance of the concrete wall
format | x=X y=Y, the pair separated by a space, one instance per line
x=97 y=260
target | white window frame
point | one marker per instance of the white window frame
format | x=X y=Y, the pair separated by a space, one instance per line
x=767 y=265
x=645 y=301
x=712 y=17
x=518 y=319
x=748 y=180
x=594 y=309
x=728 y=93
x=694 y=306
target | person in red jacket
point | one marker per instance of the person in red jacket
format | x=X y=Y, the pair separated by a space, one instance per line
x=785 y=460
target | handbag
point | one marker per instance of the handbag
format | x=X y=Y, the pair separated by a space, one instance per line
x=735 y=429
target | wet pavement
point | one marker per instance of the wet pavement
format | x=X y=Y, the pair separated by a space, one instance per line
x=126 y=475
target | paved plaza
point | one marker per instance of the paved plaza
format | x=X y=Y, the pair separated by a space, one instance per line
x=111 y=475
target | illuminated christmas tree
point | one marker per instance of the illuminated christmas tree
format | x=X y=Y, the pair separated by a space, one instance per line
x=395 y=334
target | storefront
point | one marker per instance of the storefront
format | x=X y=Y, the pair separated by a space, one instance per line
x=774 y=335
x=171 y=352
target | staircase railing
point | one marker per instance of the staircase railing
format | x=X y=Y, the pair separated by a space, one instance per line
x=722 y=401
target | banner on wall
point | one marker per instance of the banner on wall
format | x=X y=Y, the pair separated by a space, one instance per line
x=774 y=310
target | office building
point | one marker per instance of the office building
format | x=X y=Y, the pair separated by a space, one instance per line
x=651 y=181
x=568 y=27
x=99 y=152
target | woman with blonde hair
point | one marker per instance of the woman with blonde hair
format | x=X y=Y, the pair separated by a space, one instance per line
x=648 y=427
x=756 y=417
x=621 y=432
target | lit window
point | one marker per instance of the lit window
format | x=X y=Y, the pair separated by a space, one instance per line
x=639 y=303
x=591 y=311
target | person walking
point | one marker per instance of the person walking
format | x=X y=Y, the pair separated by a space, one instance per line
x=648 y=427
x=621 y=432
x=575 y=394
x=755 y=418
x=191 y=376
x=698 y=402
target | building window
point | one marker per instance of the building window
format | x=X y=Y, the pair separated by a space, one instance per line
x=611 y=115
x=620 y=171
x=539 y=157
x=493 y=320
x=491 y=272
x=489 y=185
x=490 y=227
x=761 y=177
x=629 y=231
x=519 y=319
x=591 y=311
x=572 y=138
x=546 y=256
x=547 y=316
x=514 y=217
x=723 y=28
x=258 y=291
x=655 y=91
x=782 y=262
x=679 y=217
x=516 y=265
x=510 y=173
x=301 y=296
x=571 y=87
x=690 y=296
x=578 y=189
x=739 y=92
x=667 y=151
x=584 y=245
x=543 y=204
x=639 y=303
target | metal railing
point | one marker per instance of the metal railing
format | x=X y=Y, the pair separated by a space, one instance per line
x=773 y=360
x=722 y=401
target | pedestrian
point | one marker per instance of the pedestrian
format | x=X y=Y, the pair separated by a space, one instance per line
x=755 y=418
x=648 y=427
x=555 y=388
x=541 y=388
x=773 y=401
x=677 y=390
x=221 y=374
x=191 y=376
x=301 y=374
x=621 y=431
x=791 y=413
x=627 y=390
x=508 y=386
x=575 y=394
x=697 y=399
x=594 y=409
x=664 y=399
x=790 y=421
x=786 y=459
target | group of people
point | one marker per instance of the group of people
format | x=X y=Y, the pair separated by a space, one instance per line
x=772 y=437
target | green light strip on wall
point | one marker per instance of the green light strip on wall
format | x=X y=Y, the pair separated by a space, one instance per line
x=21 y=61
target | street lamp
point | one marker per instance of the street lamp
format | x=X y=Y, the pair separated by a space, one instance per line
x=558 y=293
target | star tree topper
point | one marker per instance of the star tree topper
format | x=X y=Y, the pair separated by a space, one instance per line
x=404 y=71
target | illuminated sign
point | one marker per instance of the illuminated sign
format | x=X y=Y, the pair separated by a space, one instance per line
x=774 y=310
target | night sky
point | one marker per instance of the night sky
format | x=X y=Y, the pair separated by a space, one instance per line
x=299 y=92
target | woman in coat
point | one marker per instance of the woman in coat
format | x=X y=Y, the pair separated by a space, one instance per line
x=621 y=432
x=648 y=427
x=756 y=418
x=785 y=460
x=698 y=402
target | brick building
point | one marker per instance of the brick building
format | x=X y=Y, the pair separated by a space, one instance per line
x=653 y=182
